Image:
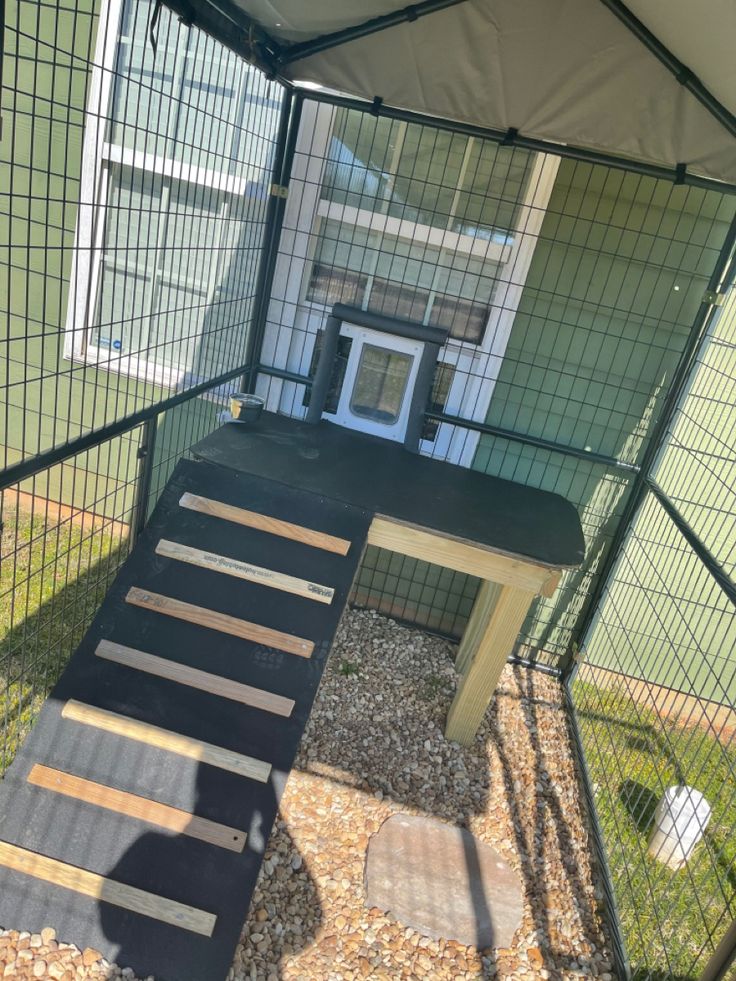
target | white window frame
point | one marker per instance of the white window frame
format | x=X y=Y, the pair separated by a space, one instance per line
x=477 y=366
x=98 y=156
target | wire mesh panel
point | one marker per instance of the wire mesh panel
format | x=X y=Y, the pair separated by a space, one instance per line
x=134 y=186
x=568 y=291
x=56 y=564
x=656 y=695
x=696 y=468
x=65 y=533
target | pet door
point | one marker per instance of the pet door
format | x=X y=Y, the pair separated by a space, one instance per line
x=373 y=374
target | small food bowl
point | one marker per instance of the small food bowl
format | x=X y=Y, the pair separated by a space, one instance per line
x=245 y=407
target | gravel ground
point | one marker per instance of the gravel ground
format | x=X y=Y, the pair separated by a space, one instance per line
x=374 y=747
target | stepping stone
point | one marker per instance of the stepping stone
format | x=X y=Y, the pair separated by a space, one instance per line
x=443 y=882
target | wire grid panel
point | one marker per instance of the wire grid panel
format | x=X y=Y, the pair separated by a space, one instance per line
x=568 y=290
x=654 y=701
x=57 y=561
x=65 y=533
x=133 y=195
x=696 y=467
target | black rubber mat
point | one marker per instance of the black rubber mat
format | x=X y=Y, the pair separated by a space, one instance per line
x=161 y=862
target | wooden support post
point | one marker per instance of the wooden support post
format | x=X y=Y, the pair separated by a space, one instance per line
x=483 y=607
x=489 y=645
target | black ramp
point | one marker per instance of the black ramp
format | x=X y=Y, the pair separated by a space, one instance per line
x=161 y=862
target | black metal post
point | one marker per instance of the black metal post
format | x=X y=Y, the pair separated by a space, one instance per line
x=599 y=849
x=723 y=957
x=529 y=440
x=709 y=307
x=330 y=338
x=715 y=569
x=143 y=478
x=283 y=161
x=276 y=168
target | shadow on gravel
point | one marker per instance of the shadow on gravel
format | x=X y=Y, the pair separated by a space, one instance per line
x=549 y=822
x=393 y=749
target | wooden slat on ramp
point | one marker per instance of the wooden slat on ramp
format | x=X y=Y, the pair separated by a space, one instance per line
x=154 y=772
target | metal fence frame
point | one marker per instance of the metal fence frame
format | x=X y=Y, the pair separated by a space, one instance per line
x=250 y=370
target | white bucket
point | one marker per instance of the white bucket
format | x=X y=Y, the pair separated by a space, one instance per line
x=680 y=819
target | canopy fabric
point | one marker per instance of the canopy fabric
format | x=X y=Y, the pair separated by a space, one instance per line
x=567 y=71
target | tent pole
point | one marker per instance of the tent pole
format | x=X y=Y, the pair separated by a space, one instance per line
x=682 y=73
x=677 y=175
x=286 y=147
x=326 y=41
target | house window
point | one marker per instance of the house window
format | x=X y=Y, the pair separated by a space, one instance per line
x=174 y=180
x=415 y=222
x=430 y=177
x=412 y=282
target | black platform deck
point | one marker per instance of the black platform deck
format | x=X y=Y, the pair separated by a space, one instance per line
x=167 y=864
x=382 y=477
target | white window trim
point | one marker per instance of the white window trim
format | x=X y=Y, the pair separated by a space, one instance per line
x=478 y=365
x=412 y=231
x=88 y=252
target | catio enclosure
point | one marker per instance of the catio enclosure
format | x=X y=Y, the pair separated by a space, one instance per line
x=176 y=224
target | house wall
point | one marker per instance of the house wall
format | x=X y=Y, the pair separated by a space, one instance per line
x=606 y=311
x=49 y=399
x=615 y=281
x=663 y=618
x=45 y=86
x=616 y=274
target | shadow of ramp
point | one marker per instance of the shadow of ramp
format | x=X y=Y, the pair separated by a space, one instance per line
x=202 y=877
x=640 y=803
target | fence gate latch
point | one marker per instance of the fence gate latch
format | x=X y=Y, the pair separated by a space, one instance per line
x=279 y=190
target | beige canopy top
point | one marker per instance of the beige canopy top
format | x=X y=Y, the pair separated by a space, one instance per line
x=654 y=81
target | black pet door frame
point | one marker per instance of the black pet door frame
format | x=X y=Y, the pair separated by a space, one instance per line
x=430 y=339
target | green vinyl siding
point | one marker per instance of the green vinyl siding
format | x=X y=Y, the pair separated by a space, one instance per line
x=606 y=309
x=617 y=276
x=45 y=84
x=196 y=317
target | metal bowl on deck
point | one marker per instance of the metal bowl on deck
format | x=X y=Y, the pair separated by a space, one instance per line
x=245 y=407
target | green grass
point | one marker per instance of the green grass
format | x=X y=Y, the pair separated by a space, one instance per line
x=53 y=577
x=633 y=755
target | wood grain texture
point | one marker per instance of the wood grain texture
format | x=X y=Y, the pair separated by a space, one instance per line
x=141 y=808
x=263 y=522
x=174 y=742
x=462 y=556
x=108 y=890
x=492 y=641
x=485 y=601
x=219 y=621
x=245 y=570
x=202 y=680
